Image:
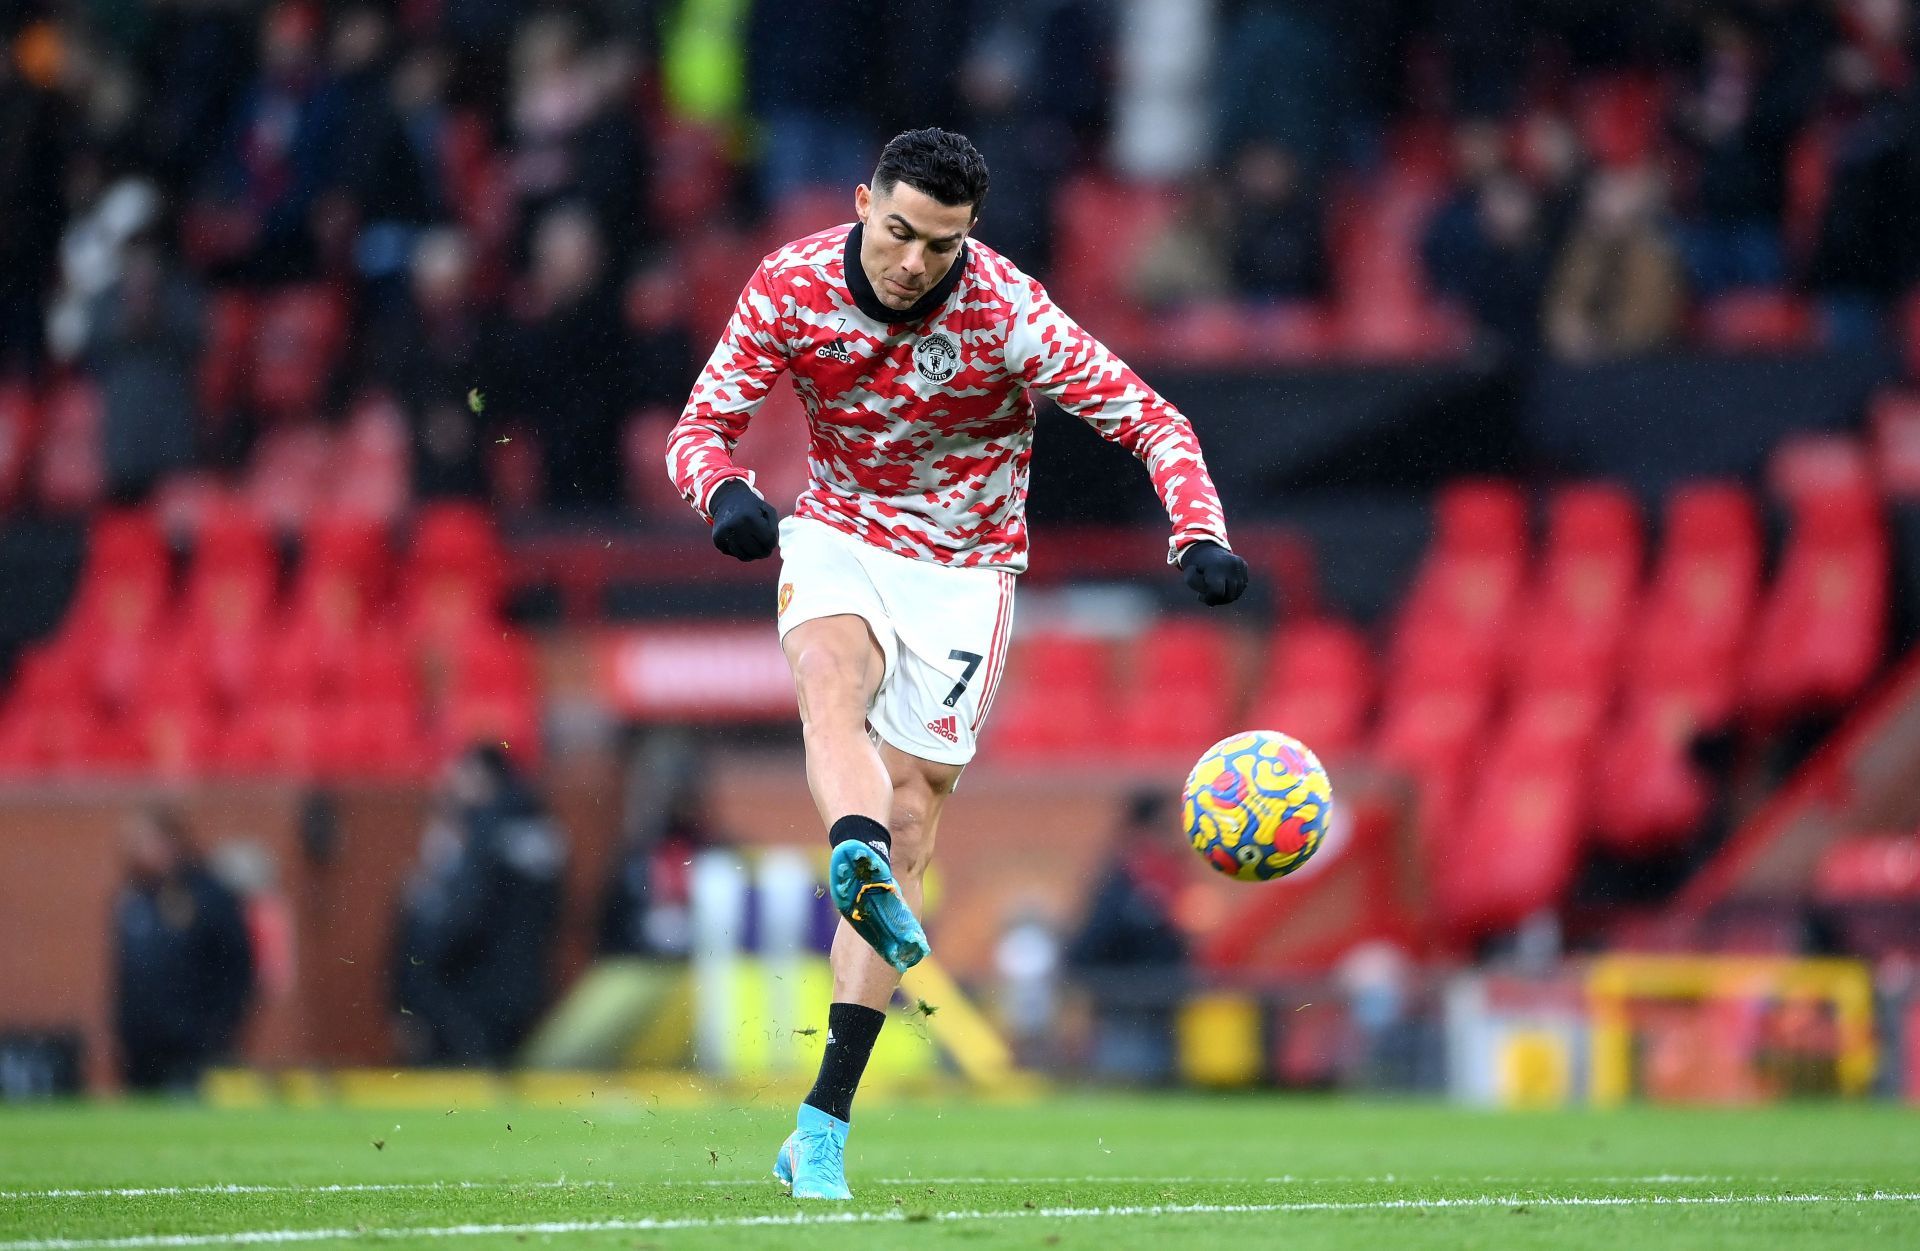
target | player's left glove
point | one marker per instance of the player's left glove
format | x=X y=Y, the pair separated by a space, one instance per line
x=1216 y=575
x=745 y=526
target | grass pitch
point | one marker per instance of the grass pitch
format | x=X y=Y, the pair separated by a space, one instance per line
x=1091 y=1172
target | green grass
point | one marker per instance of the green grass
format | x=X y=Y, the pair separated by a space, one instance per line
x=973 y=1175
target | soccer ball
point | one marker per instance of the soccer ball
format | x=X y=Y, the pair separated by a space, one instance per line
x=1256 y=805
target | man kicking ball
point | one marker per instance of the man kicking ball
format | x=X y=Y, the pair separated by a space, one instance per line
x=913 y=350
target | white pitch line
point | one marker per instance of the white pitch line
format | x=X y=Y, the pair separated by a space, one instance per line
x=339 y=1188
x=236 y=1188
x=896 y=1216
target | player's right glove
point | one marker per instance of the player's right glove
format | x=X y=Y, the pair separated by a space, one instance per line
x=1216 y=575
x=745 y=526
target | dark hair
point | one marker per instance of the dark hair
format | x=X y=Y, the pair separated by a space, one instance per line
x=939 y=163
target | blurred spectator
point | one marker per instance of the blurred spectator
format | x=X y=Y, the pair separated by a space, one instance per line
x=1128 y=953
x=568 y=370
x=33 y=155
x=1282 y=79
x=142 y=349
x=809 y=69
x=1279 y=249
x=1867 y=249
x=1618 y=287
x=1503 y=266
x=274 y=165
x=1451 y=242
x=660 y=348
x=1027 y=132
x=384 y=171
x=199 y=55
x=1553 y=160
x=1257 y=234
x=429 y=352
x=1187 y=262
x=573 y=142
x=183 y=968
x=92 y=249
x=478 y=920
x=646 y=907
x=1755 y=83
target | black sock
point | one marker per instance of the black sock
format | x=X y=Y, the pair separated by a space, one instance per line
x=851 y=1031
x=873 y=833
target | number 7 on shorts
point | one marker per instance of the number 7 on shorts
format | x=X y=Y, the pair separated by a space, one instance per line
x=973 y=660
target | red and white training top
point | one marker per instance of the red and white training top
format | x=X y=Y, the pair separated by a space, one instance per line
x=922 y=430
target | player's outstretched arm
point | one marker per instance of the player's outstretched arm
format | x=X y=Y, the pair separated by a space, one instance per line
x=1080 y=374
x=743 y=368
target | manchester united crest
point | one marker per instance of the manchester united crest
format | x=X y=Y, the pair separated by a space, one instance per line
x=936 y=357
x=786 y=597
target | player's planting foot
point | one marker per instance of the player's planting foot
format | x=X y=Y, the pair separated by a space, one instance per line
x=812 y=1161
x=864 y=891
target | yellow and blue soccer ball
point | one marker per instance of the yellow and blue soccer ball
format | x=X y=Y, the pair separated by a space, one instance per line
x=1256 y=805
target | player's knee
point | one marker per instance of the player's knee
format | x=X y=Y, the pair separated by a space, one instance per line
x=916 y=808
x=830 y=684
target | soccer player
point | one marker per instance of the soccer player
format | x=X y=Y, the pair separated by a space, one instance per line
x=913 y=349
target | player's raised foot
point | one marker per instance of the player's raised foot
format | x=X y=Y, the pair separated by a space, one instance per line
x=812 y=1161
x=861 y=883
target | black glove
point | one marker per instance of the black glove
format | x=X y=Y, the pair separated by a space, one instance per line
x=745 y=526
x=1216 y=575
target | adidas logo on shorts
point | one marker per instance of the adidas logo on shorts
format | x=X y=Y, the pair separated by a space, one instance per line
x=946 y=729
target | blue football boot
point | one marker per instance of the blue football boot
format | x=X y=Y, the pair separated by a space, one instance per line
x=863 y=889
x=812 y=1161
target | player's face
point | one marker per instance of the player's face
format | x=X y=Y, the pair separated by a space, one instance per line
x=910 y=240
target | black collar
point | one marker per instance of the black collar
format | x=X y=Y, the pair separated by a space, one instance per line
x=868 y=302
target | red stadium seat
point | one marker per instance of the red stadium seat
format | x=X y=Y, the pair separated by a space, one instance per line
x=123 y=596
x=288 y=477
x=1512 y=853
x=226 y=362
x=1319 y=687
x=272 y=738
x=1757 y=320
x=1575 y=619
x=1056 y=698
x=1645 y=793
x=454 y=574
x=73 y=468
x=300 y=335
x=19 y=437
x=1467 y=588
x=1895 y=419
x=1820 y=465
x=691 y=173
x=1181 y=697
x=1822 y=628
x=344 y=554
x=371 y=470
x=1102 y=227
x=644 y=448
x=1620 y=116
x=1699 y=605
x=230 y=593
x=1514 y=848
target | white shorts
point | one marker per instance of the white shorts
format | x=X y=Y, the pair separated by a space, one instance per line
x=942 y=630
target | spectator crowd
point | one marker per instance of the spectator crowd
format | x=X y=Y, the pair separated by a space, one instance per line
x=519 y=222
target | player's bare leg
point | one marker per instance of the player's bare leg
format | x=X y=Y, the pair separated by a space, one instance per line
x=880 y=804
x=837 y=667
x=920 y=790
